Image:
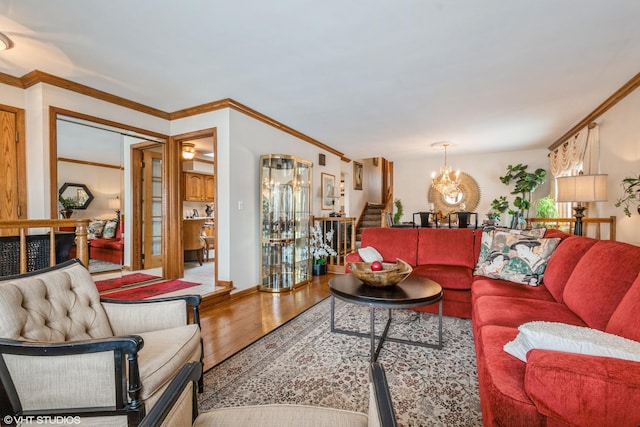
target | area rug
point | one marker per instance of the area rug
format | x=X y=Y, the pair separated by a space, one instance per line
x=147 y=291
x=302 y=362
x=99 y=266
x=126 y=280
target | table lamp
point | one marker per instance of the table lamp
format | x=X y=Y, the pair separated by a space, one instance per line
x=581 y=189
x=115 y=205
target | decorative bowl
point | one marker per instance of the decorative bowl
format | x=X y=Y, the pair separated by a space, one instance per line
x=390 y=275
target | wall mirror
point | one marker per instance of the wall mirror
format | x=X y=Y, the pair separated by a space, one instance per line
x=77 y=194
x=91 y=161
x=467 y=199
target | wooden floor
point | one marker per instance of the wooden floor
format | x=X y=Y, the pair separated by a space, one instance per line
x=231 y=326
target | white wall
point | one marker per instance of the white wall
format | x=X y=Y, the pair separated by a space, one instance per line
x=355 y=200
x=249 y=140
x=620 y=158
x=412 y=178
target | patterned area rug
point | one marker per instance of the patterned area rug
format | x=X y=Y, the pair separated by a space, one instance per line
x=148 y=291
x=303 y=362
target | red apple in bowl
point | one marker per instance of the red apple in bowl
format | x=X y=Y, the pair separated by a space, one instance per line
x=376 y=266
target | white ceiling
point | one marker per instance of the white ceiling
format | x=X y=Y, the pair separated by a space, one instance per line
x=369 y=78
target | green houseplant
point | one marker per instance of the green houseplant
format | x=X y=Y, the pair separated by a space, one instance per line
x=498 y=207
x=399 y=211
x=68 y=205
x=631 y=195
x=525 y=183
x=546 y=208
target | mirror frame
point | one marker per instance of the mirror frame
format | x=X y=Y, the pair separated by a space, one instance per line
x=170 y=267
x=78 y=187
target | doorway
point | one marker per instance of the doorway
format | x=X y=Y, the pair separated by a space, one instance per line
x=97 y=153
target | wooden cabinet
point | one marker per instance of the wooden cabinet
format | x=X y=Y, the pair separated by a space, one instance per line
x=209 y=188
x=198 y=187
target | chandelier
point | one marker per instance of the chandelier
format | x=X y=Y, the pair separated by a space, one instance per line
x=448 y=182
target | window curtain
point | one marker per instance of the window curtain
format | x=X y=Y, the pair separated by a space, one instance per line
x=580 y=153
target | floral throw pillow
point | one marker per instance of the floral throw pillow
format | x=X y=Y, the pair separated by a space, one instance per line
x=110 y=228
x=518 y=258
x=488 y=233
x=95 y=229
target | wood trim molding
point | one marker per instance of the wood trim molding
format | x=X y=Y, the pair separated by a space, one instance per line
x=36 y=76
x=617 y=96
x=11 y=80
x=84 y=162
x=284 y=128
x=235 y=105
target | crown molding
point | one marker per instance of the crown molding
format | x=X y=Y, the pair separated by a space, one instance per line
x=617 y=96
x=37 y=76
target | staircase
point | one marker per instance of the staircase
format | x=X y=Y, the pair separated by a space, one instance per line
x=371 y=218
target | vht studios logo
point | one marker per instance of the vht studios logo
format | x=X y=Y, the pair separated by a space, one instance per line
x=40 y=419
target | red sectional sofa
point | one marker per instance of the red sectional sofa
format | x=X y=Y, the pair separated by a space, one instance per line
x=109 y=249
x=587 y=282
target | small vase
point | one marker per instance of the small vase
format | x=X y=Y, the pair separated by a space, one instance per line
x=66 y=213
x=319 y=269
x=515 y=219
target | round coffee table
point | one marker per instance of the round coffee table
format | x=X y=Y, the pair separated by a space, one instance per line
x=414 y=291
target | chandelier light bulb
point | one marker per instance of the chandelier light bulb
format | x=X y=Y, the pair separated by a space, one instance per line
x=447 y=182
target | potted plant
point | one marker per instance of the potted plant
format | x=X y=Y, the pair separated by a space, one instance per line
x=498 y=207
x=320 y=249
x=68 y=204
x=399 y=211
x=631 y=187
x=525 y=183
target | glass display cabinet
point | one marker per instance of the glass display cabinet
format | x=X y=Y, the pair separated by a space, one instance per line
x=285 y=217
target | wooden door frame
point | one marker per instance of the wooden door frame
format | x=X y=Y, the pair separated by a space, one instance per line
x=21 y=157
x=175 y=235
x=172 y=217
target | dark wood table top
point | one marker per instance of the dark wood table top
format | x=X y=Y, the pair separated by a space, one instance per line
x=414 y=291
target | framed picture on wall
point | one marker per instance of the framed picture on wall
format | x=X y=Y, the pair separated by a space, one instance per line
x=357 y=175
x=328 y=191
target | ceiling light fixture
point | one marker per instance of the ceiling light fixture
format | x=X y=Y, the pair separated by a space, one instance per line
x=5 y=42
x=188 y=150
x=448 y=182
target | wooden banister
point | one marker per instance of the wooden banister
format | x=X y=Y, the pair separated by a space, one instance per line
x=24 y=226
x=569 y=225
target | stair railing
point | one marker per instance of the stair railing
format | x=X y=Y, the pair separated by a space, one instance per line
x=23 y=227
x=387 y=210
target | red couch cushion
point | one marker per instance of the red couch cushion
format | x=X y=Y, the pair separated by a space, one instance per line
x=513 y=312
x=393 y=243
x=624 y=320
x=446 y=247
x=584 y=390
x=563 y=262
x=484 y=286
x=601 y=278
x=448 y=276
x=501 y=378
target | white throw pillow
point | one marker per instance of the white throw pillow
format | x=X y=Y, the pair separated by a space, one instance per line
x=369 y=254
x=572 y=339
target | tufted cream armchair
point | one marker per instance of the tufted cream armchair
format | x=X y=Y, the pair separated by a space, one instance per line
x=66 y=352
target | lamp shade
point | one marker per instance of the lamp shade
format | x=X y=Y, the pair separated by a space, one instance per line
x=114 y=203
x=582 y=188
